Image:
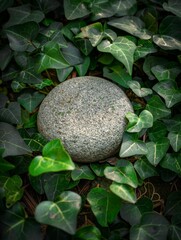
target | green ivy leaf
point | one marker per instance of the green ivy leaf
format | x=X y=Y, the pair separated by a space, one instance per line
x=4 y=165
x=136 y=124
x=54 y=159
x=21 y=36
x=172 y=161
x=173 y=204
x=88 y=233
x=6 y=56
x=173 y=6
x=131 y=146
x=83 y=68
x=157 y=150
x=46 y=7
x=174 y=231
x=11 y=141
x=150 y=221
x=44 y=83
x=75 y=9
x=62 y=74
x=131 y=24
x=30 y=101
x=122 y=49
x=105 y=205
x=144 y=47
x=157 y=108
x=158 y=130
x=72 y=54
x=84 y=45
x=173 y=124
x=123 y=173
x=167 y=42
x=124 y=191
x=175 y=140
x=5 y=4
x=126 y=7
x=98 y=168
x=138 y=90
x=17 y=86
x=36 y=142
x=62 y=213
x=11 y=114
x=82 y=172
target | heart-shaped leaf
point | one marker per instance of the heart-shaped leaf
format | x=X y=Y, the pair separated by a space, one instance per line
x=167 y=42
x=105 y=205
x=55 y=158
x=175 y=140
x=136 y=124
x=122 y=49
x=30 y=101
x=82 y=172
x=172 y=161
x=157 y=150
x=131 y=24
x=72 y=54
x=138 y=90
x=173 y=6
x=62 y=213
x=36 y=142
x=11 y=114
x=131 y=146
x=123 y=172
x=124 y=191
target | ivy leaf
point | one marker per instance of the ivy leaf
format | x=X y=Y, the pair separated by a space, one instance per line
x=173 y=124
x=102 y=9
x=157 y=150
x=23 y=14
x=54 y=159
x=21 y=36
x=72 y=54
x=4 y=165
x=36 y=142
x=19 y=226
x=88 y=233
x=144 y=47
x=51 y=58
x=136 y=124
x=84 y=45
x=62 y=213
x=98 y=169
x=131 y=24
x=123 y=173
x=174 y=231
x=5 y=4
x=30 y=101
x=157 y=108
x=145 y=169
x=11 y=114
x=122 y=49
x=124 y=191
x=6 y=56
x=150 y=221
x=175 y=140
x=159 y=130
x=173 y=6
x=11 y=141
x=131 y=146
x=105 y=205
x=83 y=67
x=62 y=74
x=172 y=161
x=46 y=7
x=126 y=7
x=167 y=42
x=173 y=204
x=44 y=83
x=138 y=90
x=82 y=172
x=75 y=9
x=12 y=187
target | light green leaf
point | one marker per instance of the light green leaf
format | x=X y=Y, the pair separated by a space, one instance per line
x=173 y=6
x=131 y=146
x=30 y=101
x=172 y=161
x=136 y=124
x=11 y=141
x=123 y=173
x=131 y=24
x=44 y=83
x=122 y=49
x=11 y=114
x=157 y=150
x=54 y=159
x=51 y=58
x=124 y=191
x=138 y=90
x=82 y=172
x=62 y=213
x=175 y=140
x=21 y=36
x=105 y=205
x=157 y=107
x=144 y=47
x=75 y=9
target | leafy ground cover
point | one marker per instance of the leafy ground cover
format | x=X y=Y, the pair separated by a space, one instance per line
x=134 y=195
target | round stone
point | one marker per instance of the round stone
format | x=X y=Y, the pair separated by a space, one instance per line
x=88 y=115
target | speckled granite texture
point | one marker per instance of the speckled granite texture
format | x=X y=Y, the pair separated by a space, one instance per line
x=88 y=115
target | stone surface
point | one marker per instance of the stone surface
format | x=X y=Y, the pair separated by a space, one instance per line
x=88 y=115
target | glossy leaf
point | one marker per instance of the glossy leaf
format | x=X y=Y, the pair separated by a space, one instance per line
x=62 y=74
x=131 y=24
x=145 y=169
x=62 y=213
x=124 y=191
x=167 y=42
x=157 y=150
x=72 y=54
x=44 y=83
x=144 y=47
x=98 y=169
x=17 y=86
x=138 y=90
x=158 y=130
x=105 y=205
x=16 y=223
x=75 y=9
x=137 y=123
x=126 y=7
x=172 y=161
x=174 y=231
x=11 y=141
x=88 y=233
x=84 y=45
x=11 y=114
x=153 y=226
x=122 y=49
x=54 y=158
x=123 y=173
x=103 y=9
x=82 y=172
x=131 y=146
x=83 y=67
x=30 y=101
x=21 y=36
x=173 y=204
x=175 y=140
x=157 y=108
x=173 y=6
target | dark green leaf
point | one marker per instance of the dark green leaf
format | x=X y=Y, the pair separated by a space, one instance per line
x=173 y=124
x=29 y=120
x=62 y=213
x=36 y=142
x=44 y=83
x=11 y=141
x=126 y=7
x=4 y=165
x=98 y=169
x=88 y=233
x=11 y=114
x=175 y=140
x=103 y=9
x=30 y=101
x=30 y=76
x=84 y=46
x=172 y=161
x=144 y=47
x=17 y=86
x=105 y=205
x=46 y=7
x=72 y=54
x=83 y=68
x=6 y=55
x=62 y=74
x=55 y=158
x=173 y=204
x=138 y=90
x=174 y=231
x=37 y=183
x=75 y=9
x=3 y=100
x=82 y=172
x=159 y=130
x=173 y=6
x=4 y=4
